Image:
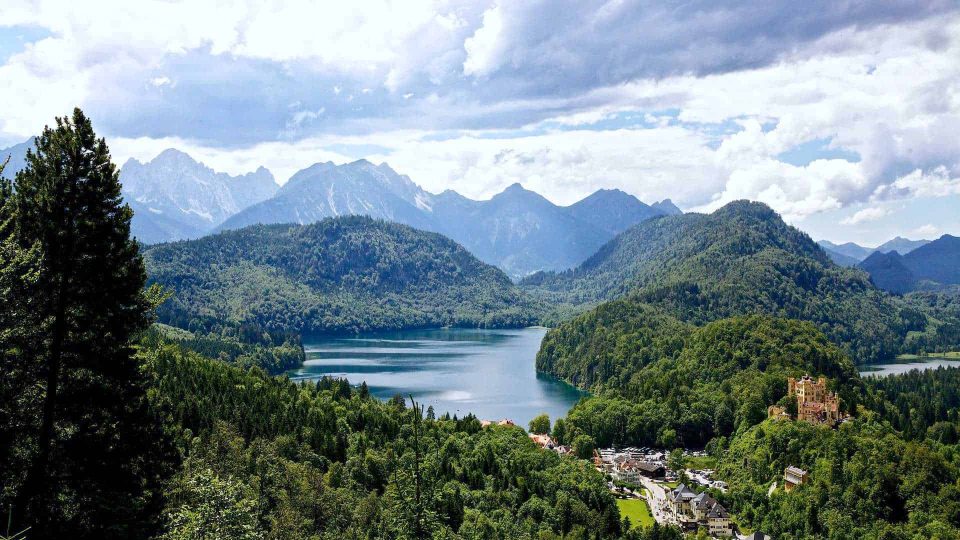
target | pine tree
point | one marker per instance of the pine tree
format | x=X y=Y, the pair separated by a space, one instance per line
x=96 y=459
x=19 y=339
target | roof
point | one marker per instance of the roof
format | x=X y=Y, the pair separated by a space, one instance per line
x=648 y=466
x=703 y=501
x=795 y=470
x=718 y=511
x=682 y=493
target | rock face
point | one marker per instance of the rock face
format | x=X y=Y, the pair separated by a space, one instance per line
x=174 y=197
x=326 y=190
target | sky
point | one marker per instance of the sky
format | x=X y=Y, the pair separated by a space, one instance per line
x=842 y=115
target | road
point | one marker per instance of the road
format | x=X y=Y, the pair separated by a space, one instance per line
x=657 y=501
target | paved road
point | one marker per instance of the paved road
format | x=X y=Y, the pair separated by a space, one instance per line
x=657 y=502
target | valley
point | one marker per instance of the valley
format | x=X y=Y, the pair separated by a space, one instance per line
x=311 y=372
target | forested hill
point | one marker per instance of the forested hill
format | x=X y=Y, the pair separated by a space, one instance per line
x=742 y=259
x=342 y=274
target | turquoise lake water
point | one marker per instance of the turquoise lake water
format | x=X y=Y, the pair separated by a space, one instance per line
x=487 y=372
x=882 y=370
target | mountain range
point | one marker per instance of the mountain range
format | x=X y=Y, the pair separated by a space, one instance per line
x=932 y=266
x=850 y=253
x=517 y=230
x=174 y=197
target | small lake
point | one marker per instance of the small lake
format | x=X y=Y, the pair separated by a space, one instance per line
x=490 y=373
x=896 y=368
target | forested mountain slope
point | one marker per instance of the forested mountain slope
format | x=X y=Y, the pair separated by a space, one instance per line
x=662 y=382
x=742 y=259
x=339 y=275
x=276 y=459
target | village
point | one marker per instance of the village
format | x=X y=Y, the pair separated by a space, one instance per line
x=674 y=488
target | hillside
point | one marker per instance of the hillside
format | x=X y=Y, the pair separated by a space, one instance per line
x=934 y=265
x=340 y=275
x=661 y=382
x=742 y=259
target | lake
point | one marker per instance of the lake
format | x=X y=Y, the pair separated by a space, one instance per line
x=896 y=368
x=487 y=372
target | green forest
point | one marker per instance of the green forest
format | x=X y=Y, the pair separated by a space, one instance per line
x=743 y=259
x=138 y=396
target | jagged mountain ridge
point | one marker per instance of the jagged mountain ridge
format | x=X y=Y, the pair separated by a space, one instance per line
x=517 y=230
x=175 y=197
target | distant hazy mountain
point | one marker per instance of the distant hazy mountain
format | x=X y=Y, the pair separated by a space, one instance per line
x=517 y=230
x=667 y=207
x=888 y=272
x=614 y=211
x=327 y=190
x=17 y=154
x=174 y=197
x=901 y=245
x=849 y=249
x=840 y=258
x=843 y=253
x=930 y=266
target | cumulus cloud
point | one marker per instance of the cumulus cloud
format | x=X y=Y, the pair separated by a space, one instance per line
x=698 y=101
x=483 y=47
x=865 y=215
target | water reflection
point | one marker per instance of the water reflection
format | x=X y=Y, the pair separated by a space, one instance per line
x=487 y=372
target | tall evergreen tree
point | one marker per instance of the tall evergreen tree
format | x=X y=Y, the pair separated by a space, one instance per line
x=18 y=341
x=95 y=458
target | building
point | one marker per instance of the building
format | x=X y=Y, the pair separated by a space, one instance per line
x=775 y=412
x=651 y=469
x=679 y=499
x=793 y=477
x=815 y=404
x=754 y=536
x=692 y=509
x=543 y=441
x=718 y=521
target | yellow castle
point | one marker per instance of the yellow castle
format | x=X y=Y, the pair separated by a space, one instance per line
x=815 y=404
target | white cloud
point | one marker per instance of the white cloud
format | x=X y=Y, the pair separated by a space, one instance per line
x=888 y=93
x=926 y=231
x=865 y=215
x=485 y=46
x=938 y=182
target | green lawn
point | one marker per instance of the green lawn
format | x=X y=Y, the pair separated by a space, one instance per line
x=637 y=511
x=701 y=462
x=952 y=355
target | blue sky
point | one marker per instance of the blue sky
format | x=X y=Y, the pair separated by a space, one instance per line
x=840 y=115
